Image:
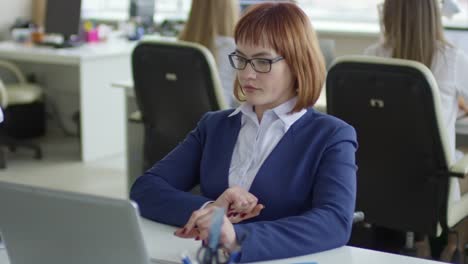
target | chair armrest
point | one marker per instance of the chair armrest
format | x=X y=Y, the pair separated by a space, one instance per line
x=358 y=217
x=135 y=117
x=461 y=166
x=3 y=95
x=14 y=69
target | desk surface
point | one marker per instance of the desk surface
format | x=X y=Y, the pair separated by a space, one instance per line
x=73 y=56
x=162 y=244
x=124 y=84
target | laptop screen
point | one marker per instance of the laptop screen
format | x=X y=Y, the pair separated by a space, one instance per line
x=55 y=227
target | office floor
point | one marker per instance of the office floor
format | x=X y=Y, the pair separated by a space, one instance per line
x=60 y=168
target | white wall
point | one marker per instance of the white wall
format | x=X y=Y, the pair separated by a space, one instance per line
x=350 y=43
x=10 y=10
x=355 y=43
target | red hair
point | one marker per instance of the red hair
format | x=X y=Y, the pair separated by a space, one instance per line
x=287 y=29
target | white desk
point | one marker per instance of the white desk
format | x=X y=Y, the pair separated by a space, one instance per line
x=79 y=79
x=162 y=244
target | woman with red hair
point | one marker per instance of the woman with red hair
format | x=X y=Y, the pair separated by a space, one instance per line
x=284 y=173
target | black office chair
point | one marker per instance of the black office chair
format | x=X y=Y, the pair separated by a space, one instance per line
x=406 y=174
x=175 y=84
x=23 y=106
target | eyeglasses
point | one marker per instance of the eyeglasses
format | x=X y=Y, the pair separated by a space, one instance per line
x=258 y=64
x=212 y=252
x=218 y=256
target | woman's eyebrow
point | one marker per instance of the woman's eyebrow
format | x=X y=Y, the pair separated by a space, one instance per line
x=240 y=52
x=263 y=53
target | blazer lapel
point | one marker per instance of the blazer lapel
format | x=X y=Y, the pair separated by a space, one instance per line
x=231 y=132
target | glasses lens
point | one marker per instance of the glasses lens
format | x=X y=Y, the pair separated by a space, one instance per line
x=261 y=65
x=237 y=62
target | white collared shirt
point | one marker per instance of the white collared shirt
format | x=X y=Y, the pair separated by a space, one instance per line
x=256 y=140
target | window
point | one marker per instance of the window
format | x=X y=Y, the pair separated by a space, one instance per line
x=365 y=11
x=339 y=10
x=343 y=16
x=118 y=9
x=357 y=11
x=171 y=9
x=459 y=20
x=105 y=9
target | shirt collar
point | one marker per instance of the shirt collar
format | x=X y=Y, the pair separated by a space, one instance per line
x=247 y=110
x=238 y=109
x=282 y=111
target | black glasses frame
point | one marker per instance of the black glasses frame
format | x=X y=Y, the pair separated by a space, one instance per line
x=249 y=61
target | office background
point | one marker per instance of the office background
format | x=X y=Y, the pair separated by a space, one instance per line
x=346 y=42
x=10 y=10
x=107 y=176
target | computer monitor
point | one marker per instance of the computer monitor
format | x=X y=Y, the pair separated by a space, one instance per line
x=144 y=11
x=63 y=17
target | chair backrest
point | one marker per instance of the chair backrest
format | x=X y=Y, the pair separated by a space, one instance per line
x=9 y=68
x=175 y=82
x=403 y=154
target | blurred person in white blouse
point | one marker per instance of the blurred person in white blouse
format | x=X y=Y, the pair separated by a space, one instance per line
x=211 y=24
x=412 y=30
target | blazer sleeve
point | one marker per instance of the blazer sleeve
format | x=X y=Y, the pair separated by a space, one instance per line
x=326 y=225
x=162 y=192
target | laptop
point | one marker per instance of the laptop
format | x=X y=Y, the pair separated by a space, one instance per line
x=40 y=225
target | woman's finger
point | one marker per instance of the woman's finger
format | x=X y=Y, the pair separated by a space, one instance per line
x=244 y=216
x=191 y=234
x=194 y=218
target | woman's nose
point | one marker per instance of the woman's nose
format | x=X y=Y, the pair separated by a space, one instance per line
x=248 y=72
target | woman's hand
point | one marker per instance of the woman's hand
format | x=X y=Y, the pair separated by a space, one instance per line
x=238 y=203
x=198 y=227
x=235 y=217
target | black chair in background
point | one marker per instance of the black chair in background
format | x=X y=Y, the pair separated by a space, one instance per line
x=175 y=84
x=406 y=174
x=24 y=113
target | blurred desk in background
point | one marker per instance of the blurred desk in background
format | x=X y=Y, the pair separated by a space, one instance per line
x=79 y=79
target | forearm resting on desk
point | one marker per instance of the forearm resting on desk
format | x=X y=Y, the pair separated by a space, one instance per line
x=314 y=231
x=156 y=200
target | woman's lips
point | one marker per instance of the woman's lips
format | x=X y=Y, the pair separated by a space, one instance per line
x=249 y=88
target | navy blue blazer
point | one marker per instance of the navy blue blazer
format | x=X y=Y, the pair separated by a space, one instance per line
x=307 y=184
